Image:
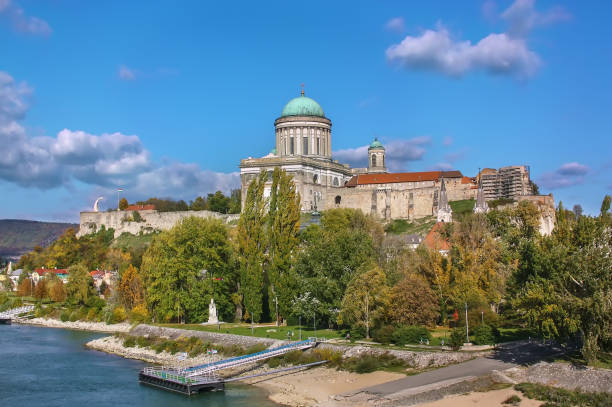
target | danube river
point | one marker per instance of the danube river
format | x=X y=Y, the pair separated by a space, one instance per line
x=51 y=367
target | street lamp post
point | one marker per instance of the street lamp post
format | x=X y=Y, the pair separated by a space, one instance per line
x=467 y=335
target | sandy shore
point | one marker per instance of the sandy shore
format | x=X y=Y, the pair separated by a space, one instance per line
x=80 y=325
x=316 y=386
x=493 y=398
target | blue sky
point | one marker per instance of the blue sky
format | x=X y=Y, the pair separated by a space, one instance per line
x=164 y=98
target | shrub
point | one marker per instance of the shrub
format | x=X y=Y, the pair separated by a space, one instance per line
x=457 y=338
x=143 y=342
x=129 y=342
x=561 y=397
x=366 y=364
x=514 y=400
x=410 y=334
x=64 y=316
x=357 y=333
x=485 y=335
x=118 y=315
x=74 y=316
x=92 y=314
x=383 y=334
x=139 y=314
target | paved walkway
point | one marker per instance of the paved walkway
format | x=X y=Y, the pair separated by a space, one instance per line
x=502 y=359
x=476 y=367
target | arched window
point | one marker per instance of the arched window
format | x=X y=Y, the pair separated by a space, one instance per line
x=291 y=146
x=373 y=160
x=315 y=178
x=305 y=150
x=336 y=183
x=338 y=199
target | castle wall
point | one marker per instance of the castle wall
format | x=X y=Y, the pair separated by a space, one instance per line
x=91 y=222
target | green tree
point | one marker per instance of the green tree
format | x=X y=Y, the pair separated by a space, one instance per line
x=284 y=225
x=218 y=202
x=123 y=204
x=80 y=285
x=176 y=270
x=252 y=246
x=366 y=300
x=199 y=204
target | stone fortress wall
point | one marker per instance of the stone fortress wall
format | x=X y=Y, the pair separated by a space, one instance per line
x=152 y=220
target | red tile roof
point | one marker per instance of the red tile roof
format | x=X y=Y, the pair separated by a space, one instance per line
x=96 y=273
x=366 y=179
x=140 y=208
x=434 y=239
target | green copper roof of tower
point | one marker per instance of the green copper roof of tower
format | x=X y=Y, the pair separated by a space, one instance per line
x=302 y=106
x=376 y=144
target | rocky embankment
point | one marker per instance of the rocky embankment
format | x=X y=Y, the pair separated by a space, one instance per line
x=564 y=375
x=79 y=325
x=114 y=345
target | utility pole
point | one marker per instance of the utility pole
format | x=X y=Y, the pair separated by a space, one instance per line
x=467 y=328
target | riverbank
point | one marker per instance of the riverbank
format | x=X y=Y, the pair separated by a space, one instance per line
x=307 y=387
x=78 y=325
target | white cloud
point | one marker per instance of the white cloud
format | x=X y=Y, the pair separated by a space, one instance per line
x=436 y=50
x=567 y=175
x=455 y=156
x=102 y=161
x=396 y=24
x=21 y=22
x=442 y=166
x=398 y=153
x=522 y=17
x=126 y=73
x=505 y=53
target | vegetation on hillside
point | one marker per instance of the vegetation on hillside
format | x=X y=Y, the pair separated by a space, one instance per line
x=417 y=226
x=20 y=236
x=462 y=207
x=216 y=202
x=345 y=274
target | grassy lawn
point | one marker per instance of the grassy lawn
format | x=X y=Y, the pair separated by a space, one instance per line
x=268 y=331
x=418 y=226
x=460 y=207
x=128 y=240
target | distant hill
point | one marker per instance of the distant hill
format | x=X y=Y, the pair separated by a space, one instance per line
x=20 y=236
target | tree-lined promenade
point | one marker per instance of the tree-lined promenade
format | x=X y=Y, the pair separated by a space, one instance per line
x=346 y=275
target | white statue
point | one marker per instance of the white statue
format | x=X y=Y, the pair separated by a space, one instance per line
x=212 y=312
x=95 y=208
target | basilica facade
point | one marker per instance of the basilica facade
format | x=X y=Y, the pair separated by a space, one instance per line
x=304 y=150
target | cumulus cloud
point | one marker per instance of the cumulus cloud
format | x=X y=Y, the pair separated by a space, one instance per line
x=126 y=73
x=567 y=175
x=398 y=153
x=505 y=53
x=436 y=50
x=102 y=161
x=396 y=24
x=22 y=22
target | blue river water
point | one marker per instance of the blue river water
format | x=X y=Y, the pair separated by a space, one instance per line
x=51 y=367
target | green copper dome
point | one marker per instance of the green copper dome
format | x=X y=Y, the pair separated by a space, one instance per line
x=376 y=144
x=302 y=106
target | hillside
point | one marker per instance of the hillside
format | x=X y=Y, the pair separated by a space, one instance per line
x=20 y=236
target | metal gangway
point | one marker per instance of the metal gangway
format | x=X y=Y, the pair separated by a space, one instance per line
x=246 y=359
x=193 y=379
x=11 y=314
